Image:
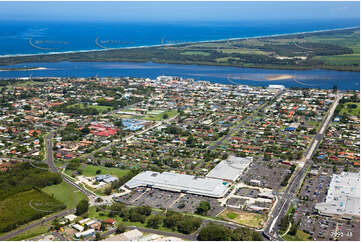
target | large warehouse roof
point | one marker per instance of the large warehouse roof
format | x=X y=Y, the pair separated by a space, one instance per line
x=230 y=169
x=343 y=196
x=180 y=183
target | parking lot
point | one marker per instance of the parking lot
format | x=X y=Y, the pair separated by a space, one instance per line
x=157 y=199
x=320 y=227
x=236 y=202
x=170 y=200
x=269 y=173
x=326 y=228
x=315 y=186
x=247 y=192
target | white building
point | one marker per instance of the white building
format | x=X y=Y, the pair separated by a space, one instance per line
x=343 y=196
x=77 y=227
x=179 y=183
x=87 y=233
x=230 y=169
x=277 y=87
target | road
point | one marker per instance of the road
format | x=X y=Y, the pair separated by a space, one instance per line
x=226 y=137
x=52 y=167
x=283 y=203
x=35 y=224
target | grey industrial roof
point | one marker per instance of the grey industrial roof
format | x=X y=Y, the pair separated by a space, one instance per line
x=180 y=183
x=343 y=196
x=230 y=169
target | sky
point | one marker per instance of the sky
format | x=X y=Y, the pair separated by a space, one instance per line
x=175 y=11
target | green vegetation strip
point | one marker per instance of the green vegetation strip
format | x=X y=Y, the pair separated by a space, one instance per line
x=16 y=209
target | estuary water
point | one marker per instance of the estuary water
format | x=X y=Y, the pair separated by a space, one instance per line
x=324 y=79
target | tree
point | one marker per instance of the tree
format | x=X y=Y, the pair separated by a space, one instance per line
x=82 y=207
x=56 y=225
x=170 y=221
x=188 y=224
x=120 y=229
x=155 y=221
x=98 y=172
x=214 y=232
x=203 y=208
x=144 y=210
x=85 y=130
x=165 y=116
x=334 y=88
x=97 y=236
x=27 y=108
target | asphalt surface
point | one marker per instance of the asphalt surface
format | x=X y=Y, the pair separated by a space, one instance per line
x=284 y=201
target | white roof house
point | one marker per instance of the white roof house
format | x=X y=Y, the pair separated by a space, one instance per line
x=87 y=233
x=77 y=227
x=276 y=87
x=230 y=169
x=83 y=221
x=179 y=183
x=70 y=217
x=343 y=196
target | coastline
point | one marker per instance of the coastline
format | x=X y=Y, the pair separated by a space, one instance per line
x=175 y=44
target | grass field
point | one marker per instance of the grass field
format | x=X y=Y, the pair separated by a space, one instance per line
x=65 y=193
x=300 y=236
x=253 y=220
x=101 y=109
x=26 y=206
x=225 y=59
x=231 y=215
x=348 y=59
x=244 y=51
x=159 y=117
x=195 y=53
x=351 y=41
x=90 y=170
x=31 y=233
x=352 y=111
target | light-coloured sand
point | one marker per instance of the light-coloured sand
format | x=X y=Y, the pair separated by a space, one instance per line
x=278 y=77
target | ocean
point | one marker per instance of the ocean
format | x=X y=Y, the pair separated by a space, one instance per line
x=18 y=38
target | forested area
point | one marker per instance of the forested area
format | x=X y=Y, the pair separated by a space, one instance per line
x=217 y=232
x=24 y=177
x=21 y=200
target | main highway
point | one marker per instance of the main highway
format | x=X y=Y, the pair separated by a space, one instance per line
x=284 y=201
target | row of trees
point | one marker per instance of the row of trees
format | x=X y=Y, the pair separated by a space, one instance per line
x=176 y=221
x=217 y=232
x=288 y=176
